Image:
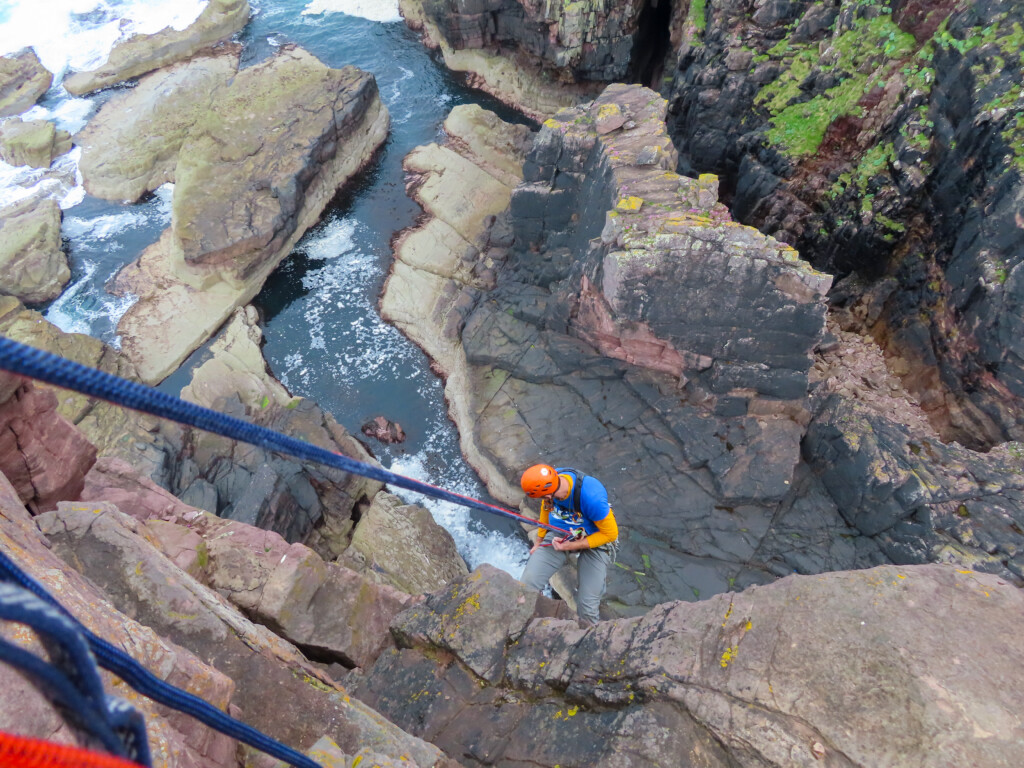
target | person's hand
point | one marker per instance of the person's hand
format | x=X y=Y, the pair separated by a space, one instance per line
x=535 y=547
x=564 y=546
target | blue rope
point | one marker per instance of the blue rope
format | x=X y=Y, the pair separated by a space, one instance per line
x=53 y=369
x=44 y=366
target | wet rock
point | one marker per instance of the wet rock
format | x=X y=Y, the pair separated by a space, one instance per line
x=385 y=431
x=23 y=81
x=32 y=259
x=32 y=142
x=686 y=682
x=139 y=54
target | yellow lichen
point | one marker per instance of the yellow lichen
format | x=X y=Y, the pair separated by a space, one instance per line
x=629 y=203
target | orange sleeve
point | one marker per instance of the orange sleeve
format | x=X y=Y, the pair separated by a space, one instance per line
x=607 y=531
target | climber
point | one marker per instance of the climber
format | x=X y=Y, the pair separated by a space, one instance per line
x=577 y=504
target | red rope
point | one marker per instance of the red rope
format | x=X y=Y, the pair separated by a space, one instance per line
x=23 y=752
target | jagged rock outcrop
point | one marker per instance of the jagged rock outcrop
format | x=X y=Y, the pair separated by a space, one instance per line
x=862 y=668
x=255 y=171
x=537 y=59
x=32 y=258
x=139 y=54
x=883 y=139
x=23 y=81
x=43 y=456
x=32 y=142
x=675 y=342
x=131 y=145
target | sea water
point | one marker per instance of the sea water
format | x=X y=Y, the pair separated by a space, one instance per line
x=324 y=337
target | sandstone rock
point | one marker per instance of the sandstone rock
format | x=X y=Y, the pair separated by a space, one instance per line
x=676 y=343
x=175 y=740
x=32 y=142
x=42 y=454
x=860 y=667
x=130 y=146
x=298 y=131
x=33 y=262
x=23 y=80
x=428 y=559
x=136 y=56
x=151 y=446
x=111 y=549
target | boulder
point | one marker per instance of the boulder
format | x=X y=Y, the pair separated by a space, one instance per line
x=32 y=259
x=130 y=147
x=32 y=142
x=23 y=81
x=401 y=545
x=43 y=455
x=843 y=668
x=296 y=131
x=383 y=430
x=139 y=54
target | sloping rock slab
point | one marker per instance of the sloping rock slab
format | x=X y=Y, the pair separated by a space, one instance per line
x=111 y=549
x=144 y=53
x=175 y=740
x=32 y=142
x=131 y=145
x=856 y=668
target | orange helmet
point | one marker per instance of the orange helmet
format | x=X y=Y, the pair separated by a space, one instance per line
x=539 y=480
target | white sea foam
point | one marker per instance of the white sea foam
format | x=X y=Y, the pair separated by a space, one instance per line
x=78 y=34
x=384 y=11
x=60 y=181
x=476 y=544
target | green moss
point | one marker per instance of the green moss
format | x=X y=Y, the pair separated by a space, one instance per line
x=696 y=14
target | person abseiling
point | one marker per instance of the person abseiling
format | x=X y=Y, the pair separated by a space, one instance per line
x=577 y=504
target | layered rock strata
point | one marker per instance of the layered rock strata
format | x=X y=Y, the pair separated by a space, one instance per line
x=863 y=668
x=883 y=139
x=254 y=172
x=23 y=81
x=538 y=61
x=139 y=54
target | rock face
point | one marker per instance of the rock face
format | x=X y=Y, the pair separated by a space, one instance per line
x=538 y=60
x=688 y=401
x=32 y=260
x=131 y=145
x=884 y=140
x=140 y=54
x=23 y=80
x=842 y=669
x=32 y=142
x=43 y=455
x=294 y=132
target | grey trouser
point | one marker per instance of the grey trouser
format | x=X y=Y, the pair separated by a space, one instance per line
x=591 y=569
